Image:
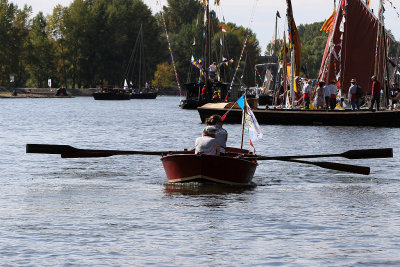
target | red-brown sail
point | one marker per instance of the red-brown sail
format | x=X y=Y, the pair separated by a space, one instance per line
x=350 y=50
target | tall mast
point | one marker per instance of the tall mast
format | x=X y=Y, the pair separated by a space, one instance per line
x=275 y=72
x=275 y=33
x=292 y=73
x=380 y=53
x=140 y=55
x=207 y=59
x=326 y=70
x=379 y=40
x=284 y=67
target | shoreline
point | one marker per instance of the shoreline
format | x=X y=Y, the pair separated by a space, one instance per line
x=51 y=92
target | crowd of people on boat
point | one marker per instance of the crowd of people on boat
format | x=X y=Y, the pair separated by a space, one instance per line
x=325 y=96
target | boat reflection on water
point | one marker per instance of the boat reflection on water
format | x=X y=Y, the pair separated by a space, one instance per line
x=206 y=188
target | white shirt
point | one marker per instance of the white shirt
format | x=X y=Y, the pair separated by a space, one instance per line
x=331 y=89
x=206 y=145
x=306 y=89
x=221 y=136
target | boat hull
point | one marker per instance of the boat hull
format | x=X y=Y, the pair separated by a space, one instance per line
x=386 y=118
x=144 y=95
x=190 y=103
x=219 y=169
x=111 y=96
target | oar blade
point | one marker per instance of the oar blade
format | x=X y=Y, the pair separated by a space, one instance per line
x=49 y=149
x=344 y=167
x=336 y=166
x=368 y=153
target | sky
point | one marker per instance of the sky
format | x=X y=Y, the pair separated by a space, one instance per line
x=258 y=15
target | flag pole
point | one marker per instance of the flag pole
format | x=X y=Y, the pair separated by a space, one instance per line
x=243 y=116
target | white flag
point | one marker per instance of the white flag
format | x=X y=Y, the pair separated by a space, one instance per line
x=255 y=132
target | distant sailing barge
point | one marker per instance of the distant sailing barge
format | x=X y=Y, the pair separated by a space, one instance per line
x=384 y=118
x=343 y=59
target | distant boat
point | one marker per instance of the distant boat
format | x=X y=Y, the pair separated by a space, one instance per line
x=344 y=59
x=194 y=97
x=135 y=75
x=385 y=118
x=109 y=93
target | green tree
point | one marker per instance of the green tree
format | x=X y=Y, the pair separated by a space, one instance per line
x=14 y=29
x=95 y=39
x=313 y=45
x=40 y=65
x=57 y=32
x=164 y=77
x=181 y=12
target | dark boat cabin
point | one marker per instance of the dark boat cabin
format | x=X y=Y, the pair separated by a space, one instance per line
x=197 y=94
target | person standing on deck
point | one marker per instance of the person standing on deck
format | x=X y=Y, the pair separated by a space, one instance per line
x=333 y=92
x=221 y=135
x=327 y=95
x=279 y=95
x=320 y=96
x=376 y=93
x=353 y=95
x=204 y=93
x=394 y=95
x=207 y=144
x=306 y=94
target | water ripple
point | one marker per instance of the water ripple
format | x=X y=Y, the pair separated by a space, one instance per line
x=120 y=211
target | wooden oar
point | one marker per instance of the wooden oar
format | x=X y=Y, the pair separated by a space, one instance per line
x=351 y=154
x=335 y=166
x=67 y=151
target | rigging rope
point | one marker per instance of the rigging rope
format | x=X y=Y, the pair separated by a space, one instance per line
x=244 y=44
x=170 y=51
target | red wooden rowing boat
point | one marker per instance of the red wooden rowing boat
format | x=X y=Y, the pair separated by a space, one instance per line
x=227 y=169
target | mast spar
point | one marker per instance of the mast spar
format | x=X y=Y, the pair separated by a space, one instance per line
x=207 y=59
x=381 y=54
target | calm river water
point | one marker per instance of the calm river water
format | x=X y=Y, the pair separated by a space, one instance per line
x=120 y=211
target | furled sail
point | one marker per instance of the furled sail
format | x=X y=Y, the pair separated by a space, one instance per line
x=295 y=44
